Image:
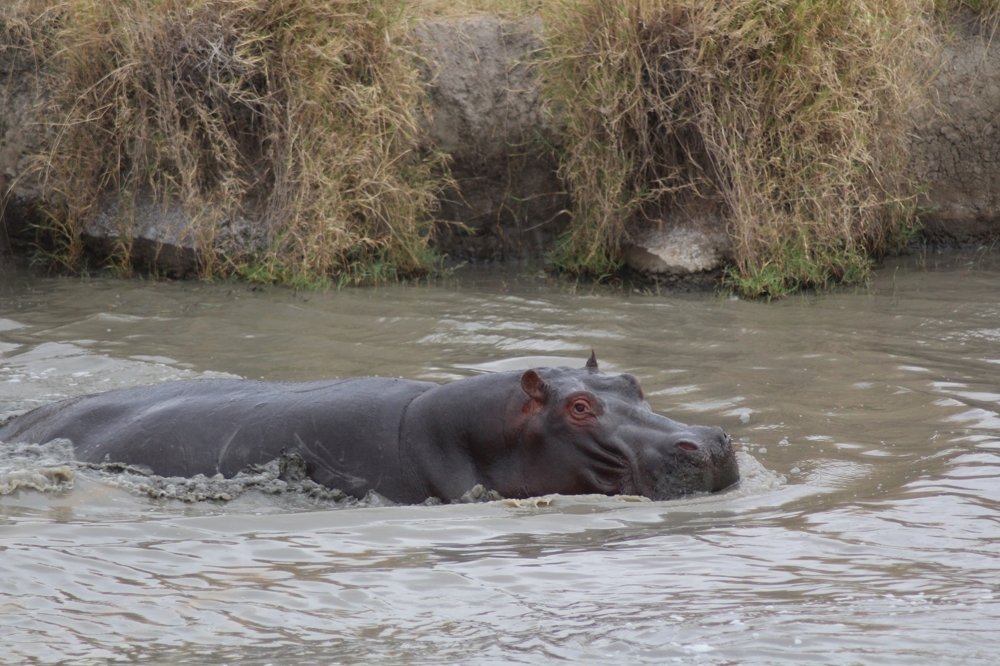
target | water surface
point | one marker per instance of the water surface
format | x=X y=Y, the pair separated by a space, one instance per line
x=867 y=531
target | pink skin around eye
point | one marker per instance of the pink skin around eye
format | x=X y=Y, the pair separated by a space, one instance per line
x=580 y=409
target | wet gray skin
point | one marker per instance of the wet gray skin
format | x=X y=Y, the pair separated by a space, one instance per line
x=619 y=445
x=547 y=430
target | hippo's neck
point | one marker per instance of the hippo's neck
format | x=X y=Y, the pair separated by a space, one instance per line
x=457 y=435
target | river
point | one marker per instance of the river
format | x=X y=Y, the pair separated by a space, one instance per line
x=866 y=530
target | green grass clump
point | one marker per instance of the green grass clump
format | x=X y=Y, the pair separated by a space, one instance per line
x=300 y=114
x=797 y=265
x=790 y=114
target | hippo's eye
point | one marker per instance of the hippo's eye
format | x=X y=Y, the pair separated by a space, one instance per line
x=580 y=408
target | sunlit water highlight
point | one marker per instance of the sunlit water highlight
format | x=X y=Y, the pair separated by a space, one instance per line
x=867 y=529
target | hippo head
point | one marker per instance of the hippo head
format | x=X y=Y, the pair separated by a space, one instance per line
x=587 y=432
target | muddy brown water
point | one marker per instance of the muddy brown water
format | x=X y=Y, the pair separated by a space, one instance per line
x=866 y=531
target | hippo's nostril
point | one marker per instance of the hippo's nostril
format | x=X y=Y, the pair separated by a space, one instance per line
x=687 y=446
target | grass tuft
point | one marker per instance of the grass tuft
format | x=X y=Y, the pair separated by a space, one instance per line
x=987 y=10
x=787 y=115
x=301 y=114
x=790 y=114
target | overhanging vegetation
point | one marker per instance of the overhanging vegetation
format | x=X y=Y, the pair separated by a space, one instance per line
x=301 y=114
x=788 y=115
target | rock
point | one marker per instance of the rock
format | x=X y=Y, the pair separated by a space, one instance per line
x=686 y=240
x=678 y=250
x=486 y=114
x=164 y=236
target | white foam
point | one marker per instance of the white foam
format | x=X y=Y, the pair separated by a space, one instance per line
x=45 y=468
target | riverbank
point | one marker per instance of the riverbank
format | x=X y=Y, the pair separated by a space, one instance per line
x=311 y=144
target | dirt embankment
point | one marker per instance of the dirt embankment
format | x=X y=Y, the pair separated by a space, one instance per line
x=508 y=202
x=955 y=146
x=487 y=116
x=19 y=140
x=505 y=200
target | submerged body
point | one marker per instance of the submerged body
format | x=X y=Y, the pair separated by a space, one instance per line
x=547 y=430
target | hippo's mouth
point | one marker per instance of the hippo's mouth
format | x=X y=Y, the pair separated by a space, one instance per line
x=716 y=473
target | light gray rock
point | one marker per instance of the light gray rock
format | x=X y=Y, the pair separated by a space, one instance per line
x=678 y=249
x=164 y=237
x=161 y=236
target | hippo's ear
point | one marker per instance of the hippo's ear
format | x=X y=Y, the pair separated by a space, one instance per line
x=534 y=385
x=592 y=361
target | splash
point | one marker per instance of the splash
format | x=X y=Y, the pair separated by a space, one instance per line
x=285 y=475
x=754 y=477
x=52 y=468
x=43 y=467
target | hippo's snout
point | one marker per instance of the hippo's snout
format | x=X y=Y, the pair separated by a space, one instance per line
x=695 y=459
x=725 y=470
x=711 y=448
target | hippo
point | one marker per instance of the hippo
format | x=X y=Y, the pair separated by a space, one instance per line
x=522 y=434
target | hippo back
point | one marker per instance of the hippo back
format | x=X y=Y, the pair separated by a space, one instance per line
x=346 y=430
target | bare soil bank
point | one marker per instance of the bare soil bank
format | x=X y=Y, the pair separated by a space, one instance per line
x=508 y=202
x=487 y=115
x=955 y=146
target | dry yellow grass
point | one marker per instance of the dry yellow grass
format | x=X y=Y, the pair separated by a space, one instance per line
x=509 y=9
x=789 y=112
x=300 y=113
